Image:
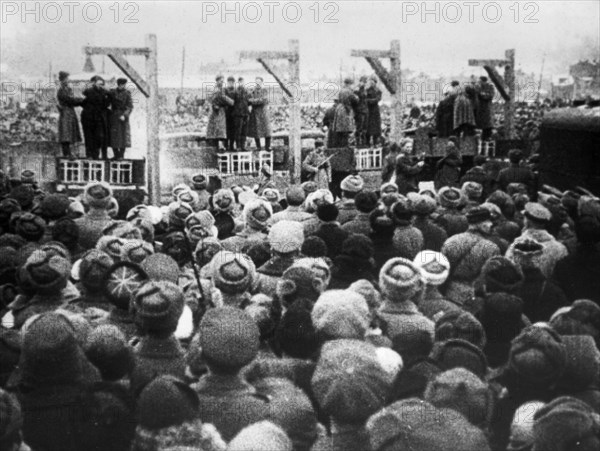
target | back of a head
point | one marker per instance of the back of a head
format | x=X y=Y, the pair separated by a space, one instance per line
x=295 y=196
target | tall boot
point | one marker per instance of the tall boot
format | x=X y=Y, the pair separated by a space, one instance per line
x=268 y=143
x=257 y=142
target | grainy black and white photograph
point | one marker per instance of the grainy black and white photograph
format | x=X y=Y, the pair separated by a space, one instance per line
x=300 y=225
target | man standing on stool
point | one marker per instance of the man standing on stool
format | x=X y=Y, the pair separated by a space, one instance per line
x=121 y=107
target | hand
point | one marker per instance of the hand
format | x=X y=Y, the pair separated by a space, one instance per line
x=324 y=165
x=122 y=118
x=421 y=164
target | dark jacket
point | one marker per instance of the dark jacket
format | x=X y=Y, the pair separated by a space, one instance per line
x=121 y=105
x=541 y=297
x=433 y=235
x=68 y=126
x=577 y=274
x=334 y=236
x=373 y=97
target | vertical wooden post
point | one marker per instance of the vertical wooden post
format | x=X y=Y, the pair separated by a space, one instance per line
x=295 y=119
x=396 y=129
x=152 y=122
x=509 y=105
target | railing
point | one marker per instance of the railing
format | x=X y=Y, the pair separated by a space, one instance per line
x=369 y=159
x=486 y=148
x=117 y=173
x=244 y=162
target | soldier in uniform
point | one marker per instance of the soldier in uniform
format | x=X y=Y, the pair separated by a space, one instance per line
x=216 y=130
x=241 y=112
x=230 y=92
x=361 y=111
x=317 y=166
x=121 y=107
x=68 y=127
x=94 y=119
x=343 y=121
x=259 y=125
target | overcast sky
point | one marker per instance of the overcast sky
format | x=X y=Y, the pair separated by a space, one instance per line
x=564 y=31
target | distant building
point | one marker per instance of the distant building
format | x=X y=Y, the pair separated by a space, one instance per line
x=586 y=76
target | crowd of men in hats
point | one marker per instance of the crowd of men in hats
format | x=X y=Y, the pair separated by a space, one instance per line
x=104 y=118
x=462 y=318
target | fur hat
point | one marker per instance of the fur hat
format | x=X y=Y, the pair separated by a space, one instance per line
x=167 y=401
x=367 y=291
x=55 y=206
x=449 y=197
x=92 y=269
x=472 y=190
x=537 y=212
x=501 y=275
x=146 y=228
x=388 y=187
x=417 y=425
x=320 y=267
x=366 y=201
x=309 y=187
x=434 y=267
x=349 y=383
x=160 y=266
x=478 y=214
x=455 y=353
x=566 y=424
x=583 y=363
x=422 y=205
x=175 y=245
x=341 y=314
x=232 y=273
x=108 y=350
x=521 y=429
x=98 y=195
x=23 y=194
x=178 y=213
x=27 y=176
x=257 y=213
x=318 y=197
x=295 y=195
x=537 y=357
x=46 y=273
x=157 y=306
x=30 y=226
x=199 y=181
x=223 y=200
x=261 y=436
x=296 y=334
x=112 y=245
x=460 y=324
x=122 y=229
x=286 y=236
x=401 y=211
x=400 y=280
x=327 y=212
x=359 y=247
x=271 y=195
x=229 y=337
x=136 y=250
x=352 y=184
x=527 y=252
x=189 y=197
x=206 y=249
x=459 y=389
x=8 y=206
x=314 y=246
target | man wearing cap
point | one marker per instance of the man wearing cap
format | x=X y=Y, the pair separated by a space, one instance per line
x=216 y=130
x=361 y=110
x=94 y=119
x=536 y=218
x=343 y=121
x=97 y=196
x=121 y=107
x=351 y=186
x=467 y=252
x=259 y=125
x=68 y=127
x=516 y=173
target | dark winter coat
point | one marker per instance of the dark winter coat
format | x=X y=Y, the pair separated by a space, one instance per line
x=91 y=226
x=463 y=111
x=334 y=236
x=259 y=125
x=577 y=274
x=452 y=221
x=407 y=241
x=373 y=115
x=448 y=171
x=515 y=174
x=217 y=126
x=94 y=117
x=484 y=115
x=347 y=211
x=444 y=116
x=360 y=224
x=120 y=131
x=68 y=126
x=406 y=175
x=343 y=120
x=541 y=297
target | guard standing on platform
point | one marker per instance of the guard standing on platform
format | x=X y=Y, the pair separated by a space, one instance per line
x=316 y=164
x=68 y=127
x=230 y=92
x=94 y=119
x=241 y=111
x=121 y=107
x=259 y=125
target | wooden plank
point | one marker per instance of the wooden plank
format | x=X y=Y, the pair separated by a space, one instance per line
x=396 y=81
x=295 y=119
x=371 y=53
x=498 y=81
x=137 y=80
x=152 y=122
x=382 y=73
x=89 y=50
x=275 y=76
x=270 y=55
x=509 y=105
x=490 y=62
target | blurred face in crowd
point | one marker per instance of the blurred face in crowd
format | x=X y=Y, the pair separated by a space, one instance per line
x=99 y=83
x=230 y=83
x=485 y=226
x=259 y=82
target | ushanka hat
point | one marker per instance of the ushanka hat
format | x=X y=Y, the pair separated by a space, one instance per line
x=341 y=314
x=223 y=200
x=434 y=266
x=122 y=229
x=199 y=181
x=501 y=275
x=232 y=273
x=157 y=306
x=30 y=226
x=478 y=214
x=400 y=280
x=286 y=236
x=112 y=245
x=46 y=273
x=257 y=213
x=97 y=195
x=460 y=324
x=55 y=206
x=178 y=213
x=352 y=184
x=136 y=251
x=472 y=190
x=121 y=282
x=108 y=350
x=449 y=197
x=93 y=268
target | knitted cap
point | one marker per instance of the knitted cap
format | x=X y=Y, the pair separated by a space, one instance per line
x=46 y=273
x=459 y=389
x=98 y=195
x=232 y=273
x=456 y=353
x=257 y=213
x=286 y=236
x=93 y=268
x=501 y=275
x=121 y=282
x=157 y=306
x=229 y=337
x=460 y=324
x=167 y=401
x=400 y=280
x=30 y=226
x=449 y=197
x=434 y=267
x=478 y=214
x=352 y=184
x=108 y=350
x=416 y=425
x=349 y=383
x=55 y=206
x=341 y=314
x=537 y=356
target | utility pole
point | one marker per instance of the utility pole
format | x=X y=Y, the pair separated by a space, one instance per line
x=182 y=69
